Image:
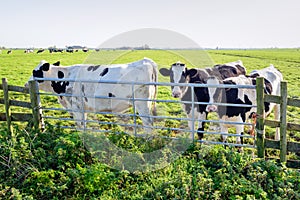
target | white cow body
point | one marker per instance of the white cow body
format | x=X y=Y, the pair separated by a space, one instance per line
x=85 y=94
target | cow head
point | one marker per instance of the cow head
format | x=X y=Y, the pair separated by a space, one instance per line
x=43 y=70
x=178 y=73
x=212 y=91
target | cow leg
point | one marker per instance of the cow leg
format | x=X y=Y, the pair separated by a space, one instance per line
x=223 y=129
x=191 y=122
x=240 y=131
x=144 y=111
x=77 y=111
x=201 y=117
x=80 y=118
x=277 y=118
x=239 y=140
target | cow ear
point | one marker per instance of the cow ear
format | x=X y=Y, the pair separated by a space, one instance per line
x=191 y=72
x=165 y=71
x=45 y=67
x=57 y=63
x=234 y=70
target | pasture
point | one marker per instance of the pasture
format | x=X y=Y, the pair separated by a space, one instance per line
x=53 y=166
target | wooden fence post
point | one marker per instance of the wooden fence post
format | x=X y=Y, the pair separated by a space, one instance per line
x=260 y=122
x=35 y=104
x=7 y=105
x=283 y=121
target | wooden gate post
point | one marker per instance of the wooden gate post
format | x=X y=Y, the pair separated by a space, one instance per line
x=35 y=104
x=283 y=121
x=7 y=105
x=260 y=122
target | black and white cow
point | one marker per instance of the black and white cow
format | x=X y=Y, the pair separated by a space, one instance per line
x=178 y=73
x=70 y=50
x=28 y=51
x=40 y=51
x=243 y=96
x=83 y=93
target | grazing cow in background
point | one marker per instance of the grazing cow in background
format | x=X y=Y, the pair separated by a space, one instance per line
x=40 y=51
x=144 y=70
x=55 y=50
x=28 y=51
x=178 y=73
x=243 y=96
x=9 y=52
x=58 y=50
x=85 y=49
x=70 y=50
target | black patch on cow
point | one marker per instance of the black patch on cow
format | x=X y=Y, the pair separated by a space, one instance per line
x=111 y=95
x=231 y=95
x=93 y=68
x=45 y=67
x=59 y=86
x=226 y=71
x=40 y=72
x=60 y=74
x=105 y=71
x=57 y=63
x=268 y=89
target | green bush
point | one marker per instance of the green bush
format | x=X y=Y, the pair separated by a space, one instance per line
x=55 y=164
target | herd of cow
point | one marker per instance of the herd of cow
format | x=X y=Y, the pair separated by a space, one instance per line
x=146 y=71
x=51 y=50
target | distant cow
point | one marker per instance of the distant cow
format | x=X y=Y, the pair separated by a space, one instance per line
x=58 y=50
x=178 y=73
x=9 y=52
x=28 y=51
x=55 y=50
x=85 y=50
x=243 y=96
x=69 y=50
x=140 y=71
x=40 y=51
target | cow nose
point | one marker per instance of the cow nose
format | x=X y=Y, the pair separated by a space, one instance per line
x=176 y=94
x=211 y=108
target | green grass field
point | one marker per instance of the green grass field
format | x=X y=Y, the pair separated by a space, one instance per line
x=55 y=164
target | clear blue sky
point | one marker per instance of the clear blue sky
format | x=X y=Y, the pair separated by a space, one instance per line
x=210 y=23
